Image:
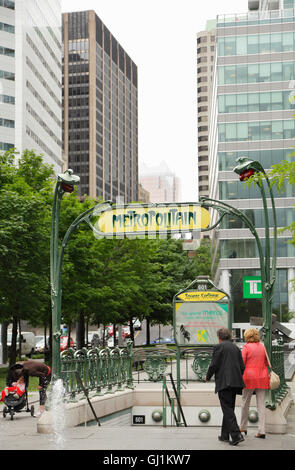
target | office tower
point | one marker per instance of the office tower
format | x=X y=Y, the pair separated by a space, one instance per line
x=100 y=109
x=160 y=182
x=205 y=61
x=30 y=78
x=251 y=116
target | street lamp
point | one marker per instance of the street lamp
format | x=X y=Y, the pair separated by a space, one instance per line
x=65 y=184
x=245 y=169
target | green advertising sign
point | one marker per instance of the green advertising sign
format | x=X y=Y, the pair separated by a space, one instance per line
x=252 y=287
x=198 y=315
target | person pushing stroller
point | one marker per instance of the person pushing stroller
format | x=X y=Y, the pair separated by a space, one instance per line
x=36 y=369
x=17 y=389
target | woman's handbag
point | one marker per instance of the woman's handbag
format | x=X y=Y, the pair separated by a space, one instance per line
x=274 y=379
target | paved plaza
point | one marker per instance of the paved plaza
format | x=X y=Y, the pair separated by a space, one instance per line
x=21 y=434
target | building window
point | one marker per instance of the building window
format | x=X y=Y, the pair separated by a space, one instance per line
x=256 y=73
x=256 y=130
x=256 y=44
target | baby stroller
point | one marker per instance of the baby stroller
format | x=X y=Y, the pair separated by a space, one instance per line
x=14 y=405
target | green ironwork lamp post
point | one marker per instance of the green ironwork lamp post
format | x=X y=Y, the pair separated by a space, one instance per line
x=65 y=184
x=245 y=169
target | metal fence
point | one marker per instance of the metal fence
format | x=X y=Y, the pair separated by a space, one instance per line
x=108 y=370
x=101 y=370
x=279 y=368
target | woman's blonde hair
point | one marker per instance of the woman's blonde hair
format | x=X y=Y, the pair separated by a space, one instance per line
x=252 y=335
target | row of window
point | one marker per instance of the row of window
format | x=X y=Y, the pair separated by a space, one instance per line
x=43 y=103
x=43 y=124
x=228 y=160
x=44 y=82
x=7 y=4
x=256 y=44
x=7 y=99
x=48 y=48
x=5 y=146
x=250 y=102
x=284 y=216
x=258 y=17
x=6 y=123
x=78 y=45
x=204 y=39
x=204 y=59
x=9 y=28
x=229 y=190
x=248 y=249
x=42 y=60
x=6 y=51
x=7 y=75
x=201 y=50
x=256 y=73
x=257 y=130
x=41 y=144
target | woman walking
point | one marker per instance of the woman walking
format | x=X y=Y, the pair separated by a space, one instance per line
x=256 y=379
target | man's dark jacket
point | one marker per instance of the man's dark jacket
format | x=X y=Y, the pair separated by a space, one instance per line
x=228 y=366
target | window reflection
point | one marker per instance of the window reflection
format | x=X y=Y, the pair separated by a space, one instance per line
x=255 y=43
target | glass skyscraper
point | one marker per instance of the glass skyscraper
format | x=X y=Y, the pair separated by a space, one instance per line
x=100 y=109
x=252 y=116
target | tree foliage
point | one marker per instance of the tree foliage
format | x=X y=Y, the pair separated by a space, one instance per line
x=103 y=281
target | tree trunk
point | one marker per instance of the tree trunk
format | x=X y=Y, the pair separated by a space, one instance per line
x=114 y=335
x=12 y=358
x=80 y=332
x=148 y=333
x=20 y=340
x=104 y=336
x=4 y=342
x=131 y=329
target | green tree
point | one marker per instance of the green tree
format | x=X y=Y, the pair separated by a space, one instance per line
x=24 y=239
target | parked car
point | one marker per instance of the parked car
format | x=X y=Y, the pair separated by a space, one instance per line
x=125 y=332
x=110 y=331
x=64 y=343
x=28 y=343
x=40 y=344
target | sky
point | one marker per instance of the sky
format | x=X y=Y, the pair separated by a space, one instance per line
x=160 y=37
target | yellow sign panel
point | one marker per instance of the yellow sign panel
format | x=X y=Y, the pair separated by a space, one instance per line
x=201 y=296
x=153 y=219
x=202 y=336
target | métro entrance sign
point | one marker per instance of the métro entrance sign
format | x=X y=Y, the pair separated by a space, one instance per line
x=108 y=220
x=198 y=313
x=140 y=220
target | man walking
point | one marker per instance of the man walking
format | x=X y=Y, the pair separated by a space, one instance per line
x=227 y=365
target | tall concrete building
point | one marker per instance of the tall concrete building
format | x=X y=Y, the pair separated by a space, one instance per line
x=30 y=78
x=160 y=182
x=100 y=109
x=205 y=61
x=251 y=116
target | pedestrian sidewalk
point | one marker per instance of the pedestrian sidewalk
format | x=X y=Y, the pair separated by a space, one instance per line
x=21 y=434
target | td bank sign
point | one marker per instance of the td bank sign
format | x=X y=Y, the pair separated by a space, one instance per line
x=252 y=287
